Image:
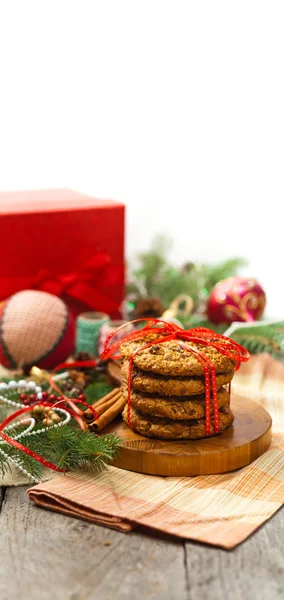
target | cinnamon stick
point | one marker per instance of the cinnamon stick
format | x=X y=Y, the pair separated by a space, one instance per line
x=101 y=405
x=106 y=405
x=108 y=415
x=108 y=396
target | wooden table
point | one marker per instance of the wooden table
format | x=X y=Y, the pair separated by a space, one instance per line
x=47 y=556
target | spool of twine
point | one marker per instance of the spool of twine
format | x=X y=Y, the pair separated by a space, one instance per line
x=111 y=326
x=88 y=329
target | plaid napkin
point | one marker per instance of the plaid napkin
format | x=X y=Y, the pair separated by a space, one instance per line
x=221 y=510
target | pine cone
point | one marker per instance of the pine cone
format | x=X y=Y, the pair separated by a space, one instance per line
x=148 y=307
x=82 y=356
x=187 y=267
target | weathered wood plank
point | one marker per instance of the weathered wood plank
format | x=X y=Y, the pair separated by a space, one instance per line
x=47 y=555
x=1 y=496
x=44 y=554
x=255 y=569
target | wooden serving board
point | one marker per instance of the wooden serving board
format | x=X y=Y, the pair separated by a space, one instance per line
x=243 y=442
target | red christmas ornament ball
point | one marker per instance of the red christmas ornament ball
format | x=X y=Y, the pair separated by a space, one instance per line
x=36 y=329
x=236 y=299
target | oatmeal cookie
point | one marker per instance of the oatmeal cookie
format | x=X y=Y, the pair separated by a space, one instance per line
x=173 y=408
x=167 y=429
x=153 y=383
x=170 y=358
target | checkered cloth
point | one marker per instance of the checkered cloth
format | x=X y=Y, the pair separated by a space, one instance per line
x=221 y=510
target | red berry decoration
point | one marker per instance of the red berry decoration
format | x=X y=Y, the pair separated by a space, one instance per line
x=52 y=398
x=23 y=397
x=82 y=397
x=59 y=399
x=45 y=395
x=32 y=398
x=26 y=401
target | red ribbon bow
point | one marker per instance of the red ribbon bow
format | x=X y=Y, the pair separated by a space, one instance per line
x=198 y=335
x=82 y=284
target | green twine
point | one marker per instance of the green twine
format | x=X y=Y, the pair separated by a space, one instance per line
x=88 y=331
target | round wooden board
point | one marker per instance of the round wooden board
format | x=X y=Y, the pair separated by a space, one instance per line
x=243 y=442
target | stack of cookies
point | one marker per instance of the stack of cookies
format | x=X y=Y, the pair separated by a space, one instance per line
x=168 y=390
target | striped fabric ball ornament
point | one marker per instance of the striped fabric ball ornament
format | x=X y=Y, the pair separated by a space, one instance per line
x=36 y=328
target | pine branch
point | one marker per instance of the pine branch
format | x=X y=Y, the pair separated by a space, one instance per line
x=163 y=280
x=23 y=460
x=97 y=390
x=68 y=448
x=152 y=265
x=71 y=448
x=195 y=321
x=175 y=282
x=259 y=337
x=215 y=273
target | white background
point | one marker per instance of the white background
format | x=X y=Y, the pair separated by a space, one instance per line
x=175 y=108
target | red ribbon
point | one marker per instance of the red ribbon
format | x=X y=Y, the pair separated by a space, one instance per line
x=21 y=447
x=197 y=335
x=74 y=411
x=70 y=401
x=82 y=285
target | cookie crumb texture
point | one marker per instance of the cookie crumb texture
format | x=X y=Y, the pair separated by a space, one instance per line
x=173 y=407
x=170 y=358
x=153 y=383
x=168 y=429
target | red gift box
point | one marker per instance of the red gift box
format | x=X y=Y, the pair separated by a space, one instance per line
x=65 y=243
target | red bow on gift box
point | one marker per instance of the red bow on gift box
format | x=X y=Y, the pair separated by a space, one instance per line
x=83 y=284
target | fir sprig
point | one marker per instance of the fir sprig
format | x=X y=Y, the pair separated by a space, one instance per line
x=228 y=268
x=196 y=321
x=259 y=336
x=97 y=390
x=72 y=449
x=160 y=278
x=68 y=448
